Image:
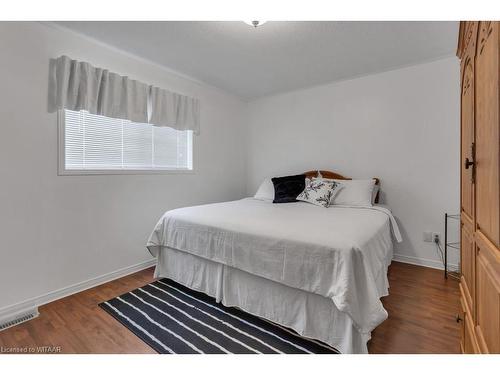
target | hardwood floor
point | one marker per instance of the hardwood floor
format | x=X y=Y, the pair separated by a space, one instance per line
x=422 y=307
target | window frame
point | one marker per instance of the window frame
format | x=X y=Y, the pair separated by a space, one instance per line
x=62 y=171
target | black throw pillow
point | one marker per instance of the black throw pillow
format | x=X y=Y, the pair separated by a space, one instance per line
x=286 y=189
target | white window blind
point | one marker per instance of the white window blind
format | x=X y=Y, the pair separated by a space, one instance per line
x=93 y=142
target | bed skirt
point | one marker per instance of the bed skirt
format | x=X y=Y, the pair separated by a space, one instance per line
x=309 y=314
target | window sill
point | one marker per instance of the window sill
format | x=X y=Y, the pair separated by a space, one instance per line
x=96 y=172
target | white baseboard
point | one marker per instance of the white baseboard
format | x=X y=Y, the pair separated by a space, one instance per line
x=431 y=263
x=18 y=309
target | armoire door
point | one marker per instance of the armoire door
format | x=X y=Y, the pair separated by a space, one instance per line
x=487 y=231
x=479 y=49
x=467 y=165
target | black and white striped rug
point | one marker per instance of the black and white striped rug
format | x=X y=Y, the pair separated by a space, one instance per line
x=174 y=319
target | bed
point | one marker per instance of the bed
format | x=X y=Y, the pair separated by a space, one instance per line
x=321 y=272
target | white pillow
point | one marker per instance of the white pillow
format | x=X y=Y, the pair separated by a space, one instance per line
x=354 y=193
x=319 y=192
x=265 y=191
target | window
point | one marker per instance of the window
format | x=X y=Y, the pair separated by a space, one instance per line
x=94 y=143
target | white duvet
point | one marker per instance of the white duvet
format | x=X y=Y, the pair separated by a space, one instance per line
x=340 y=252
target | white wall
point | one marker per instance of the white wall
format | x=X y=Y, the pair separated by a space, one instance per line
x=56 y=231
x=401 y=126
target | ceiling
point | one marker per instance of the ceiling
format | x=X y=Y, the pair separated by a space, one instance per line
x=277 y=56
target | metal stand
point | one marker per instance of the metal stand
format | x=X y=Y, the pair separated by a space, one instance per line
x=454 y=245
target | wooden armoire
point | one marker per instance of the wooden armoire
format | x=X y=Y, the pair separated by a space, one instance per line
x=478 y=50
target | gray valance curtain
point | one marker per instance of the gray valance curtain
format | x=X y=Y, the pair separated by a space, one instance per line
x=180 y=111
x=77 y=85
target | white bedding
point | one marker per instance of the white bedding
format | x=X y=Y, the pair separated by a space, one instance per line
x=336 y=252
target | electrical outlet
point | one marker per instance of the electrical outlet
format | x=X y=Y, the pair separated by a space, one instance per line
x=436 y=237
x=428 y=236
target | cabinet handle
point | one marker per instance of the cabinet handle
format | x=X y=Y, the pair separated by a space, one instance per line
x=458 y=318
x=471 y=162
x=468 y=163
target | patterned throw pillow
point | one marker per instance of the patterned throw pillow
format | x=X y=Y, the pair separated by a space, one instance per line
x=319 y=192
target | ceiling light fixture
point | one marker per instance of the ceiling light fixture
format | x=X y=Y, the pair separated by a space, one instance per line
x=255 y=23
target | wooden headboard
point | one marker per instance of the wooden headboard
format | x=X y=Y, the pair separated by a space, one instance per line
x=333 y=175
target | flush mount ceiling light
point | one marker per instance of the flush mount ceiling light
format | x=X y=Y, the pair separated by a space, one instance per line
x=255 y=23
